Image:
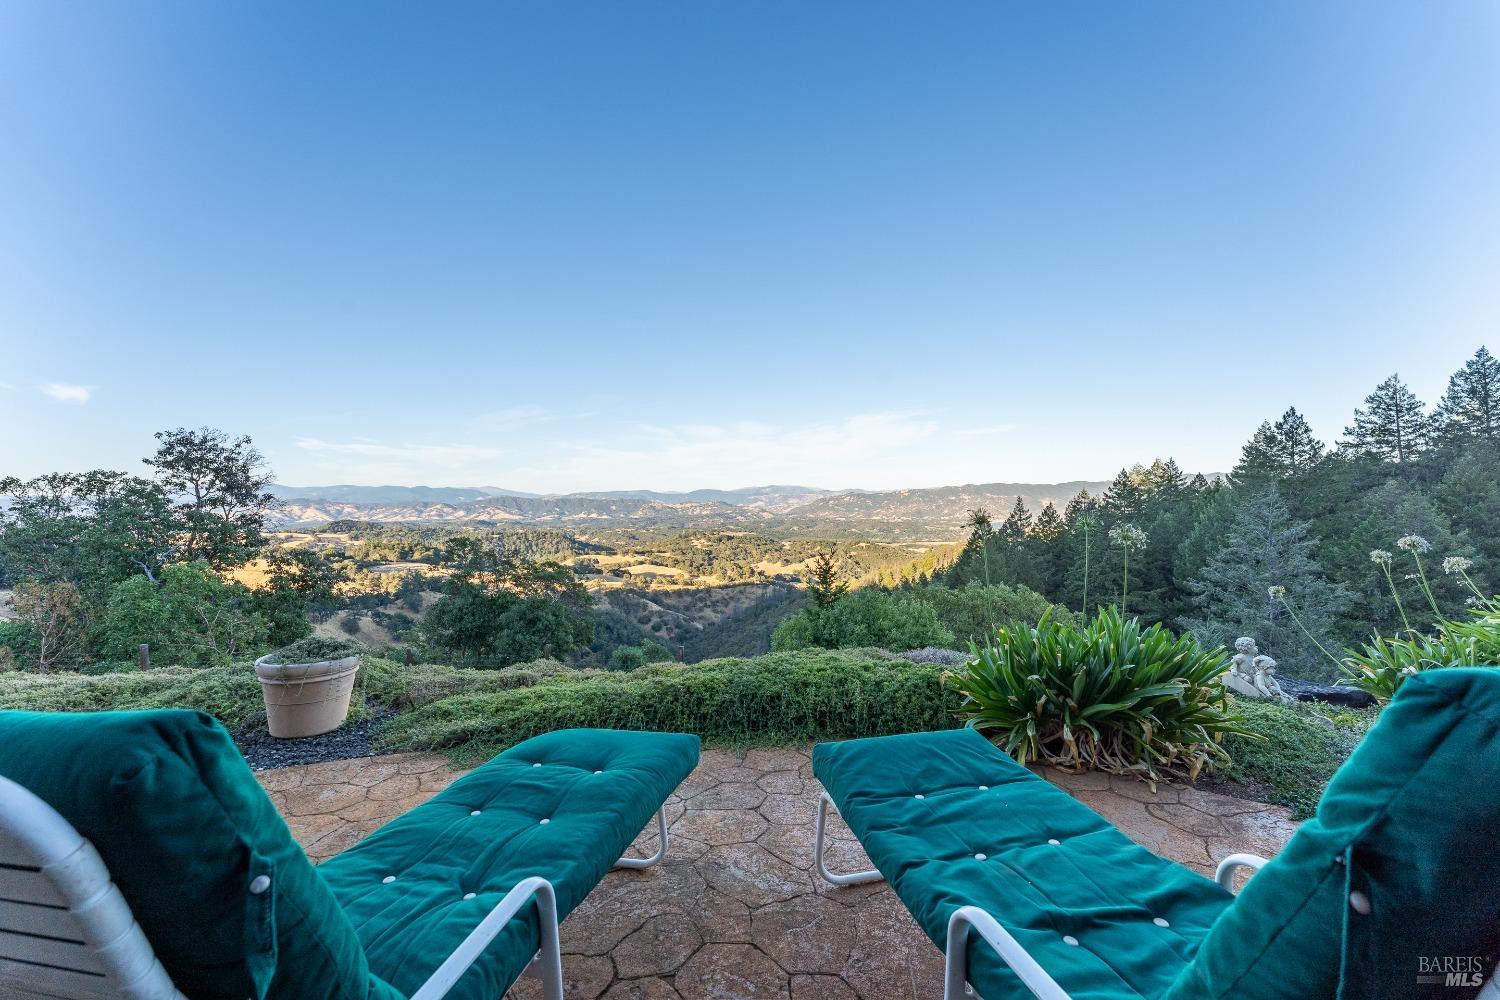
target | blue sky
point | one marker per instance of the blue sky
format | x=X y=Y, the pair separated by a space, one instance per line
x=672 y=245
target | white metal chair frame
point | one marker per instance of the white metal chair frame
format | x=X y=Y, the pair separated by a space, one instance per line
x=66 y=931
x=966 y=918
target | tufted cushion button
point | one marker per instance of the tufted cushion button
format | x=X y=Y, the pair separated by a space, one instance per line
x=259 y=884
x=1158 y=921
x=598 y=772
x=537 y=764
x=1055 y=843
x=919 y=795
x=1070 y=939
x=984 y=788
x=980 y=857
x=468 y=895
x=474 y=813
x=388 y=880
x=545 y=822
x=1359 y=902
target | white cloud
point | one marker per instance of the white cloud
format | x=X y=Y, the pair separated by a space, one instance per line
x=7 y=387
x=66 y=392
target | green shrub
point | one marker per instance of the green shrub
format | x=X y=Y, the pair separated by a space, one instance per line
x=974 y=612
x=869 y=617
x=1296 y=749
x=1107 y=696
x=781 y=698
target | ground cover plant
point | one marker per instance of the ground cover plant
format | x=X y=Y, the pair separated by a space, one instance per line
x=782 y=698
x=1295 y=749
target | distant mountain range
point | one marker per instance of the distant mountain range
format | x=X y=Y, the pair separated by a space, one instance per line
x=930 y=514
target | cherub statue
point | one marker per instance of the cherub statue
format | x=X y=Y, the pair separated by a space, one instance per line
x=1243 y=661
x=1265 y=677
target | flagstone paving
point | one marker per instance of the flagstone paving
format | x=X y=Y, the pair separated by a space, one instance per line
x=735 y=911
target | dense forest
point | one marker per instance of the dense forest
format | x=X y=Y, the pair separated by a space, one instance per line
x=1343 y=528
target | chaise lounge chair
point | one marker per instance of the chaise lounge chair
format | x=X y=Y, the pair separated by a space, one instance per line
x=139 y=858
x=1391 y=890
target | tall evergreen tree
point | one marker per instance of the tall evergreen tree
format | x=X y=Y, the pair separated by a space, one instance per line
x=1049 y=525
x=1278 y=451
x=1470 y=409
x=1394 y=427
x=1017 y=523
x=1266 y=548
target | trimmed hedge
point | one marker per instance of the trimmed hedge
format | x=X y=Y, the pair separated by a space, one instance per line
x=232 y=694
x=794 y=697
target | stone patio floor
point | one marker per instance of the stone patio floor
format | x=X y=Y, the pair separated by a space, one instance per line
x=735 y=911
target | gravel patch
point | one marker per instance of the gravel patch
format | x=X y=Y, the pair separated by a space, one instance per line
x=263 y=751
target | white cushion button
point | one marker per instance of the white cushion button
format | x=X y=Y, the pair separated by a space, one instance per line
x=537 y=764
x=984 y=788
x=474 y=813
x=979 y=857
x=259 y=884
x=598 y=772
x=1070 y=939
x=1055 y=843
x=1158 y=921
x=1359 y=902
x=468 y=895
x=388 y=880
x=919 y=796
x=546 y=821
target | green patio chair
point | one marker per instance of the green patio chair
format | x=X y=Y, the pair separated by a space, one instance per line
x=139 y=858
x=1391 y=890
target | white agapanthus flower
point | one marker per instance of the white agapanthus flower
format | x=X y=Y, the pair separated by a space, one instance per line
x=1276 y=591
x=1456 y=564
x=1413 y=543
x=1380 y=557
x=1127 y=536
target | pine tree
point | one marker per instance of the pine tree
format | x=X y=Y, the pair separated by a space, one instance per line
x=1049 y=525
x=825 y=585
x=1017 y=524
x=1278 y=451
x=1266 y=548
x=1394 y=428
x=1470 y=409
x=1082 y=502
x=1126 y=496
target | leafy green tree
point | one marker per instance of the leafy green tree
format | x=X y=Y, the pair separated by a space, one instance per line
x=190 y=617
x=867 y=617
x=1470 y=409
x=497 y=612
x=51 y=614
x=217 y=483
x=1394 y=426
x=1266 y=548
x=89 y=529
x=975 y=611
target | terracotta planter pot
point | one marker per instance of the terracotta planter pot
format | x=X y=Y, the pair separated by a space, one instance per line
x=305 y=699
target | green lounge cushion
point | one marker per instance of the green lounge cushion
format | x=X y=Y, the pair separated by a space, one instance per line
x=927 y=806
x=183 y=826
x=450 y=860
x=1410 y=823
